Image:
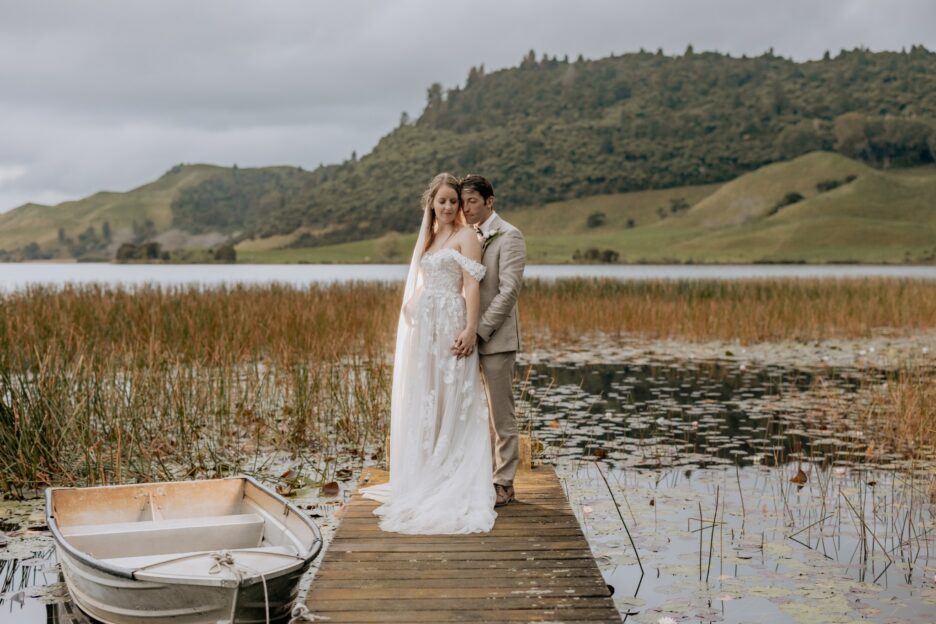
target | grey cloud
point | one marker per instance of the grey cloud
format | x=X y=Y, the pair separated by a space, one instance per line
x=108 y=94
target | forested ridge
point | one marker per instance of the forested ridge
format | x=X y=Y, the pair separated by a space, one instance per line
x=555 y=129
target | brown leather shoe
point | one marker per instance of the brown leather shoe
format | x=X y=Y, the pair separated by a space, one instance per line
x=505 y=494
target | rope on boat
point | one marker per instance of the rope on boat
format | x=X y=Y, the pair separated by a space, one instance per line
x=301 y=613
x=224 y=559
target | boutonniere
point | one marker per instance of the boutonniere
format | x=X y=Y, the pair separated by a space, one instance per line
x=491 y=236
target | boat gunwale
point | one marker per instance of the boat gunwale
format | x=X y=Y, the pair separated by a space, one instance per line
x=97 y=564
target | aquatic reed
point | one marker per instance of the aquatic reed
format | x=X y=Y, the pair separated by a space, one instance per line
x=101 y=384
x=901 y=413
x=748 y=311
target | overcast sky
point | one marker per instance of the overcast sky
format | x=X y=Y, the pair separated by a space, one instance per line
x=109 y=94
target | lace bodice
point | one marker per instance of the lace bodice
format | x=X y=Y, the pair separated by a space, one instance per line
x=442 y=270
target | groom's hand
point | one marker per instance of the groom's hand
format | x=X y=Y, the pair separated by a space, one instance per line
x=463 y=345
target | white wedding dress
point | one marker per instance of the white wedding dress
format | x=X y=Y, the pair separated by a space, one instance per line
x=441 y=478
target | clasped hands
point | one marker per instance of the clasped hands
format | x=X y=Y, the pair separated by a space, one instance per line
x=464 y=343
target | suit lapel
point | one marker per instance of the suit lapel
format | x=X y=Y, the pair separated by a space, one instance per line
x=495 y=224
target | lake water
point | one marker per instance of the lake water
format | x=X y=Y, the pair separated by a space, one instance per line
x=19 y=275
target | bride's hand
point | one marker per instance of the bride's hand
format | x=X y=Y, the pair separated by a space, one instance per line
x=465 y=343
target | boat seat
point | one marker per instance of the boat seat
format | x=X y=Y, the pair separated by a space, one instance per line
x=161 y=537
x=135 y=563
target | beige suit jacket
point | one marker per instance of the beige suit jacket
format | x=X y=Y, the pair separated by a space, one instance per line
x=504 y=258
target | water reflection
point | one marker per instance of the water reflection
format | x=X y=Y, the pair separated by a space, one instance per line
x=748 y=500
x=672 y=413
x=745 y=544
x=22 y=582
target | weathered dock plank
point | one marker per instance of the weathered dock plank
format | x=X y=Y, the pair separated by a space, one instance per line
x=534 y=566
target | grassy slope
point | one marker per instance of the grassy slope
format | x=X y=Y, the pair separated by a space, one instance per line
x=346 y=253
x=881 y=216
x=39 y=223
x=553 y=232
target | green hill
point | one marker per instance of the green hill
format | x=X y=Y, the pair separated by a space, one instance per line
x=874 y=217
x=553 y=130
x=35 y=222
x=562 y=137
x=753 y=196
x=146 y=212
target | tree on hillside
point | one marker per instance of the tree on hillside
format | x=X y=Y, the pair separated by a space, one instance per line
x=32 y=251
x=474 y=75
x=226 y=254
x=678 y=205
x=800 y=139
x=884 y=142
x=143 y=231
x=388 y=247
x=126 y=252
x=434 y=96
x=596 y=219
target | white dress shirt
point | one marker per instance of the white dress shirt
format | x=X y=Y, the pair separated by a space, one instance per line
x=487 y=224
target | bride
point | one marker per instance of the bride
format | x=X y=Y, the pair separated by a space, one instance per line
x=440 y=448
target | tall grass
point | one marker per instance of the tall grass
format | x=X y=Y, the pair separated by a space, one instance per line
x=901 y=416
x=102 y=384
x=746 y=310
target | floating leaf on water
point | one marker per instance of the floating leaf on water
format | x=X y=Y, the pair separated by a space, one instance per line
x=285 y=489
x=799 y=478
x=249 y=447
x=331 y=489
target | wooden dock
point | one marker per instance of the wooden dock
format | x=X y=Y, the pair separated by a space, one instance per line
x=534 y=566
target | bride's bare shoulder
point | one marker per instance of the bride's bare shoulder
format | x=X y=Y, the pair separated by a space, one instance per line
x=467 y=241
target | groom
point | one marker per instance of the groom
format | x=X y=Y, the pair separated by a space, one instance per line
x=503 y=253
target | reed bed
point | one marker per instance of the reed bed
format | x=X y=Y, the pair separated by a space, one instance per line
x=746 y=310
x=209 y=327
x=901 y=415
x=102 y=384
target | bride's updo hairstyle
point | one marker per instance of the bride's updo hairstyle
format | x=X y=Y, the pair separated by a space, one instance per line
x=443 y=179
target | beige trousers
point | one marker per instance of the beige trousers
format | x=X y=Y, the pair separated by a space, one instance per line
x=497 y=370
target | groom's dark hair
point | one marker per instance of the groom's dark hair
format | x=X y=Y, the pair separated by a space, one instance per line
x=478 y=184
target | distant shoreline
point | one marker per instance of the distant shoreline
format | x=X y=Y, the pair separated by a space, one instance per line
x=72 y=261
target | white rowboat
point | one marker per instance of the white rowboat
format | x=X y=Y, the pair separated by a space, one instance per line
x=195 y=552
